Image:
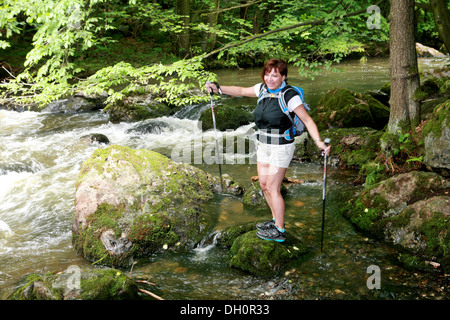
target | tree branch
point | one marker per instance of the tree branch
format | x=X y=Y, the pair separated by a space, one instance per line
x=231 y=8
x=294 y=26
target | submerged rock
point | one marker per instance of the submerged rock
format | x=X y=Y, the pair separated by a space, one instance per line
x=130 y=203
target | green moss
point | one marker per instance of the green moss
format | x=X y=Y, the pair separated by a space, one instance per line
x=437 y=231
x=434 y=125
x=107 y=285
x=264 y=258
x=361 y=215
x=150 y=233
x=227 y=117
x=345 y=108
x=88 y=243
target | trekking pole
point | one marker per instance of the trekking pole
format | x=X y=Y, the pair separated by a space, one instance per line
x=327 y=142
x=211 y=93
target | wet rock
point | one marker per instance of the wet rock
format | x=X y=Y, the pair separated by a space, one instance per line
x=410 y=210
x=227 y=117
x=77 y=284
x=136 y=108
x=265 y=258
x=130 y=203
x=344 y=108
x=413 y=227
x=80 y=102
x=230 y=186
x=94 y=138
x=392 y=196
x=436 y=138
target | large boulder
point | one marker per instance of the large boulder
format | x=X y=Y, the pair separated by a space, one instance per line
x=422 y=228
x=436 y=138
x=410 y=210
x=227 y=117
x=344 y=108
x=130 y=203
x=136 y=108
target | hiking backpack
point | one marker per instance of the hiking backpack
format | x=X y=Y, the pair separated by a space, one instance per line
x=297 y=125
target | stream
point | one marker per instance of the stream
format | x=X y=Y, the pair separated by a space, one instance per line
x=41 y=154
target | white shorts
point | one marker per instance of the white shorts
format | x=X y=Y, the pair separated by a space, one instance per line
x=277 y=155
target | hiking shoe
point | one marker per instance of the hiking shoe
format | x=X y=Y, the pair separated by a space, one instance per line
x=265 y=225
x=272 y=234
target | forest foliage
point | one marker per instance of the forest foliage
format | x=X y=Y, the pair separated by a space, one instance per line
x=184 y=39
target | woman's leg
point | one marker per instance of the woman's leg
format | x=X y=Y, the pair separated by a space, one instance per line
x=270 y=179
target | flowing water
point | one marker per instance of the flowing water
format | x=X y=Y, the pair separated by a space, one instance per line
x=41 y=154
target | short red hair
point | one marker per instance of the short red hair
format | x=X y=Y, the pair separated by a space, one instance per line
x=276 y=64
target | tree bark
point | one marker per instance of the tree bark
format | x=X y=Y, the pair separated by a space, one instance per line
x=404 y=73
x=184 y=8
x=442 y=20
x=209 y=42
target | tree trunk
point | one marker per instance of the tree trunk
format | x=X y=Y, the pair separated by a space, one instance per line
x=209 y=41
x=442 y=20
x=184 y=8
x=405 y=110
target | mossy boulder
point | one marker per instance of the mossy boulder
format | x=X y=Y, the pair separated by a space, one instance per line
x=77 y=284
x=227 y=117
x=436 y=138
x=136 y=108
x=131 y=203
x=422 y=228
x=344 y=108
x=410 y=210
x=351 y=147
x=265 y=258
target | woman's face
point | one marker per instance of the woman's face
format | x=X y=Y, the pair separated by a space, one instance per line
x=273 y=79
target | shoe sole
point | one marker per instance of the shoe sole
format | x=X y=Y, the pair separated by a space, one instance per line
x=268 y=239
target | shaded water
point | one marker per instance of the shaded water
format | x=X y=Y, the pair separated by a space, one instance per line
x=41 y=155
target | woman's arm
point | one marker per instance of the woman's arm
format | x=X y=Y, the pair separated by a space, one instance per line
x=233 y=90
x=312 y=128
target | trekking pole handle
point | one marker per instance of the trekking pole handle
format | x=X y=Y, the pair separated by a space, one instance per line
x=327 y=143
x=217 y=86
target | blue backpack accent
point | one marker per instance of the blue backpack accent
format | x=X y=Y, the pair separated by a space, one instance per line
x=297 y=125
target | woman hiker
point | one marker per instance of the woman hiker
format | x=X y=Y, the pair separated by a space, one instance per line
x=274 y=151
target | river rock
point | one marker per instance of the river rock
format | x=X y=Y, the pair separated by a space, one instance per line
x=130 y=203
x=92 y=138
x=422 y=228
x=436 y=138
x=136 y=108
x=77 y=284
x=351 y=147
x=344 y=108
x=265 y=258
x=80 y=102
x=410 y=210
x=425 y=51
x=227 y=117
